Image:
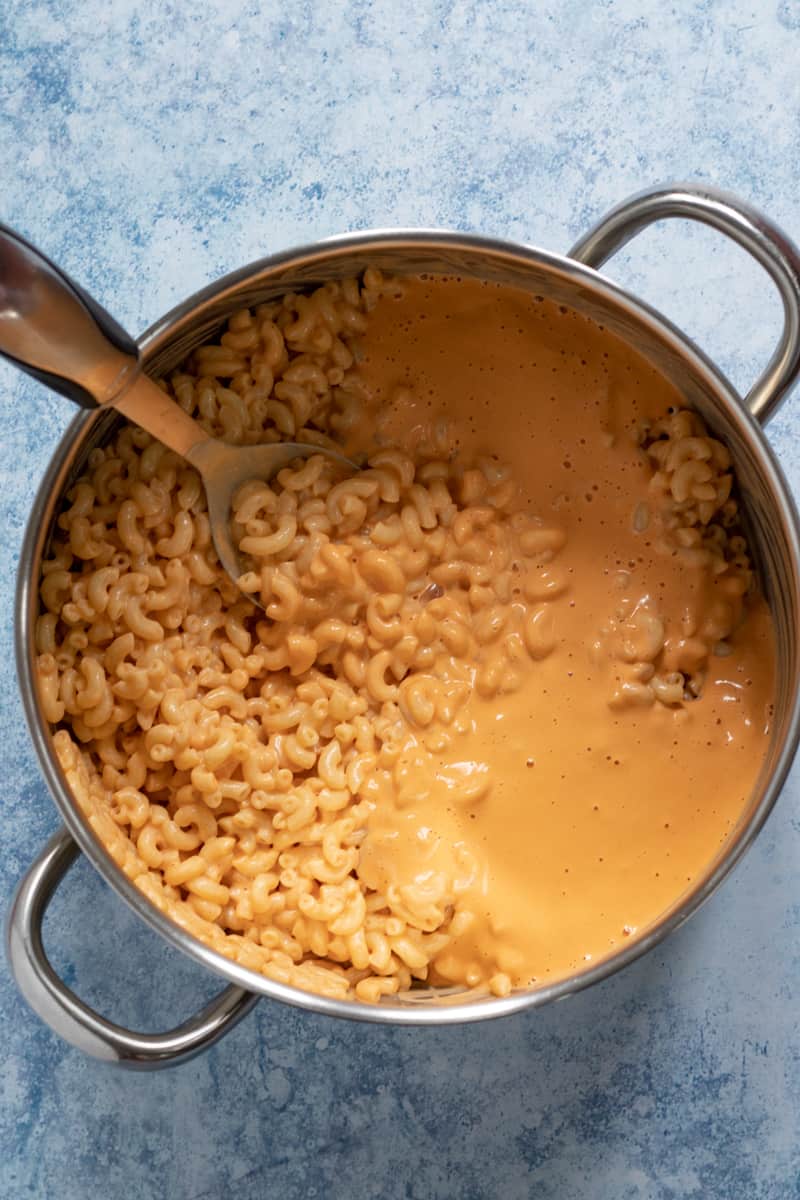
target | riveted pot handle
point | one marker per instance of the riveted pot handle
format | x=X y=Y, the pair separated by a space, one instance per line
x=68 y=1016
x=763 y=240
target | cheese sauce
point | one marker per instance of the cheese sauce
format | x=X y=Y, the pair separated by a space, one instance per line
x=593 y=820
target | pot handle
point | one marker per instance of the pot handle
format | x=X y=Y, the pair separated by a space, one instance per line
x=60 y=1008
x=751 y=230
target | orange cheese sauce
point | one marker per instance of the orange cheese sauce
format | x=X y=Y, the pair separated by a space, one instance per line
x=593 y=820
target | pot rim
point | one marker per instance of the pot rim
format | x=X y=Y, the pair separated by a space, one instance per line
x=159 y=335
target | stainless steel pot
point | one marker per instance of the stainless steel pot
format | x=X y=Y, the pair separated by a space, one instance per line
x=573 y=281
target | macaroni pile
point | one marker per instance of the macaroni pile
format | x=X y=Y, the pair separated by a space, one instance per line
x=230 y=758
x=692 y=515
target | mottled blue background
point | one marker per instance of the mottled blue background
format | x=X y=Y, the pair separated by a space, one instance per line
x=151 y=146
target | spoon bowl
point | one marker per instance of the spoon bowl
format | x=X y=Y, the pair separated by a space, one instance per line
x=225 y=468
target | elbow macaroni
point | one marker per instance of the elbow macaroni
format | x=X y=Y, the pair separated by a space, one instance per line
x=229 y=758
x=691 y=515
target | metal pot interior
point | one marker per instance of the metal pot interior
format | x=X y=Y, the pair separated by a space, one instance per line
x=769 y=513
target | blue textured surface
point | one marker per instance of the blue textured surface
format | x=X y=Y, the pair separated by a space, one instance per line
x=149 y=147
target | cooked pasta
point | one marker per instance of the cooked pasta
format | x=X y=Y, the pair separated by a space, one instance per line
x=234 y=759
x=692 y=515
